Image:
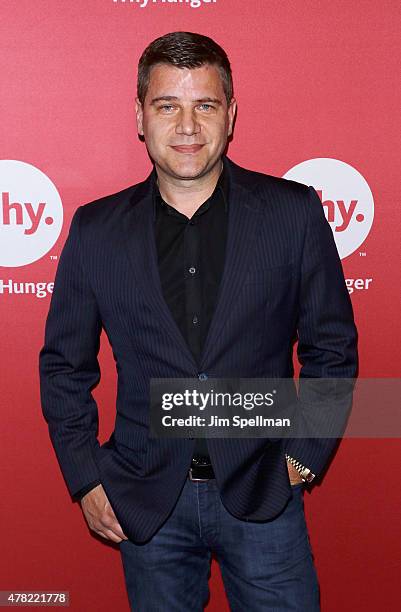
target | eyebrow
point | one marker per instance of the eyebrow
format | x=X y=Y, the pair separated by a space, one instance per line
x=198 y=100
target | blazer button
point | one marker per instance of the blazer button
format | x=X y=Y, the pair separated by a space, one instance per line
x=202 y=376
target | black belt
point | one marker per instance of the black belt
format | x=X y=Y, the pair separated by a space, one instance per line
x=201 y=469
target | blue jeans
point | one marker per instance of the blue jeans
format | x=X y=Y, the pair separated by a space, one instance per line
x=264 y=565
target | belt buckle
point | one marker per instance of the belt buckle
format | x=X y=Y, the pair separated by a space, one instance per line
x=196 y=479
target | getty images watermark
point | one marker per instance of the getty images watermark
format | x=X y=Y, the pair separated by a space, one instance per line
x=275 y=408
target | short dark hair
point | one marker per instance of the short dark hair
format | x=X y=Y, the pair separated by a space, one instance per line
x=184 y=50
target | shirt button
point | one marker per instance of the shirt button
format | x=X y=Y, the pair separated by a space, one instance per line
x=192 y=270
x=202 y=376
x=195 y=320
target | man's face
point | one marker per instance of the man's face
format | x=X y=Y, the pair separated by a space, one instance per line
x=185 y=120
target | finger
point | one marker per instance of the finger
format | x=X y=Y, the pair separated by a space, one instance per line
x=118 y=531
x=110 y=535
x=114 y=526
x=105 y=537
x=109 y=521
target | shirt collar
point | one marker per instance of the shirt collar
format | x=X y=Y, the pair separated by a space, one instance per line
x=222 y=185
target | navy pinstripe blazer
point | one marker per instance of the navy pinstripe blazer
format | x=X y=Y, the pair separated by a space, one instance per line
x=282 y=280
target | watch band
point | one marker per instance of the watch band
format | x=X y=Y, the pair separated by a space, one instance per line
x=304 y=472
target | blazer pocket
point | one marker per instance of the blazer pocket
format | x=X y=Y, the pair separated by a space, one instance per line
x=135 y=438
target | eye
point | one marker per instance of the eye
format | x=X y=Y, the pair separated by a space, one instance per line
x=206 y=107
x=167 y=108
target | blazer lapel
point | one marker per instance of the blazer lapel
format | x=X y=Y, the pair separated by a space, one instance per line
x=244 y=213
x=140 y=244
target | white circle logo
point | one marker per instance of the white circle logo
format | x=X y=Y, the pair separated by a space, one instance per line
x=31 y=213
x=346 y=198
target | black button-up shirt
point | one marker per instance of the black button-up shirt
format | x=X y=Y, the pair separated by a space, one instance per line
x=191 y=260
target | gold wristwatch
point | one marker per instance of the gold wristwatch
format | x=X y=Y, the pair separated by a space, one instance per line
x=304 y=472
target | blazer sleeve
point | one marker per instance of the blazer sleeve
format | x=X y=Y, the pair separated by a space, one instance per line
x=69 y=368
x=327 y=337
x=82 y=492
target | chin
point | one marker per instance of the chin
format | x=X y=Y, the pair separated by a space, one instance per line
x=187 y=171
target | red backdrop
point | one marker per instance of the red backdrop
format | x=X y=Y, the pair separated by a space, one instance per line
x=312 y=80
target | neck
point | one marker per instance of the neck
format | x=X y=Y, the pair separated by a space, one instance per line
x=187 y=195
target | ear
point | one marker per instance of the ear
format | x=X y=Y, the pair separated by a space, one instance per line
x=232 y=109
x=139 y=116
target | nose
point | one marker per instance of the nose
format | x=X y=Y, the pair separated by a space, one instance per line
x=187 y=122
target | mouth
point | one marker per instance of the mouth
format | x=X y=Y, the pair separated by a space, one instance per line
x=188 y=149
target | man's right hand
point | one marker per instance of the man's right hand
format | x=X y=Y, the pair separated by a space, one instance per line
x=100 y=516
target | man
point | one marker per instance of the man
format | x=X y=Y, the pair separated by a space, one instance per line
x=203 y=270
